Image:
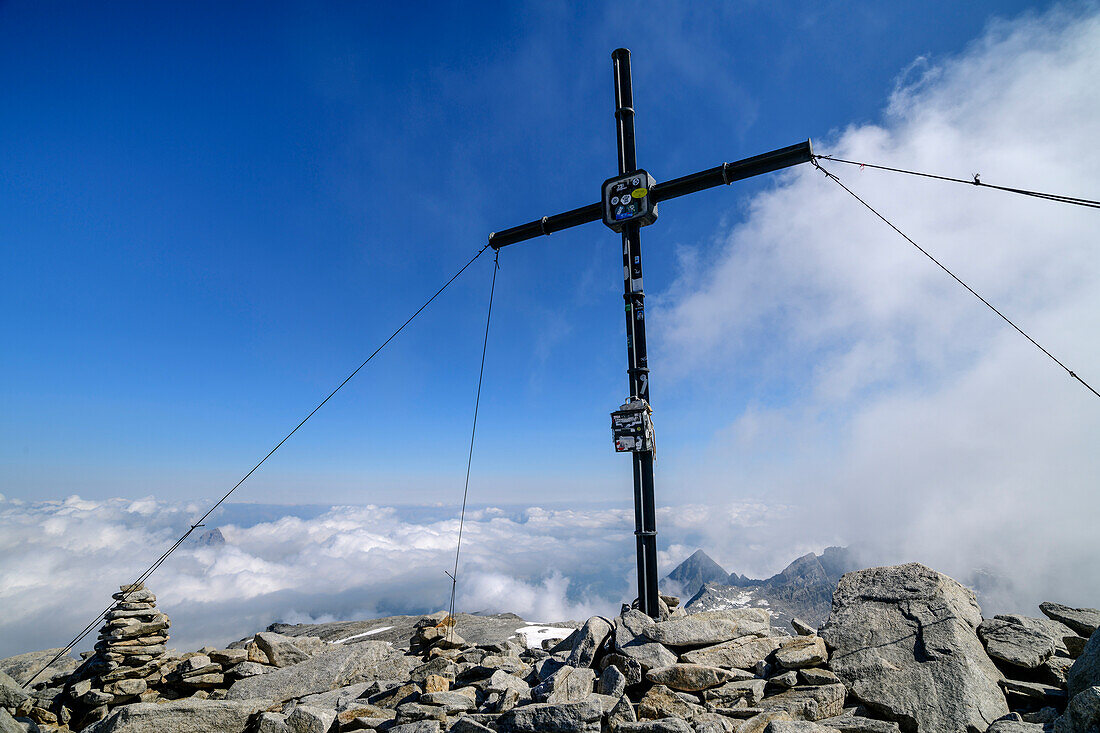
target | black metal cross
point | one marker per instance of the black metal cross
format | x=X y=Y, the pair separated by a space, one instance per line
x=631 y=424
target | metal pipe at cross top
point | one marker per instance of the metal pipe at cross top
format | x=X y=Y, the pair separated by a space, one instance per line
x=629 y=202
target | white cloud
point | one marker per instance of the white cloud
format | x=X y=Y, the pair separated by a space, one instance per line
x=59 y=561
x=345 y=563
x=892 y=405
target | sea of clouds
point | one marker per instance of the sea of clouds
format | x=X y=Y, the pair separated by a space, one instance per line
x=60 y=560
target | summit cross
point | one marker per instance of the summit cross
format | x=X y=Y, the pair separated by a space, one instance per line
x=629 y=202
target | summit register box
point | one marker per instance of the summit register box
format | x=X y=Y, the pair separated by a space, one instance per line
x=626 y=199
x=632 y=428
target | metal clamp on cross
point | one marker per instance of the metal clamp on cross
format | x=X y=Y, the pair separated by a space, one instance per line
x=628 y=202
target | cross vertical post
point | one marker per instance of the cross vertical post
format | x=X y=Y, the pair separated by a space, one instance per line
x=645 y=523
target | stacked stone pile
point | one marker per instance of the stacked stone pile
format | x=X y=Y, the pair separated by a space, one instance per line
x=436 y=631
x=128 y=656
x=131 y=664
x=135 y=632
x=905 y=650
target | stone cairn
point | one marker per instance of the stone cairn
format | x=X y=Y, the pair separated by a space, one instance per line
x=434 y=634
x=131 y=663
x=127 y=656
x=135 y=633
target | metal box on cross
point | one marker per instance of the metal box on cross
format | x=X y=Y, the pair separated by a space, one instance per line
x=627 y=199
x=632 y=427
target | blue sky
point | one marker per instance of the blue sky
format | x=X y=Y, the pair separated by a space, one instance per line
x=210 y=213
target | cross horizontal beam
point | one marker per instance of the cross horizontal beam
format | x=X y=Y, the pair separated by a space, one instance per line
x=722 y=174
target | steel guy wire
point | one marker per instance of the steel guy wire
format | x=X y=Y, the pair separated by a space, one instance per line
x=976 y=181
x=954 y=276
x=470 y=457
x=160 y=561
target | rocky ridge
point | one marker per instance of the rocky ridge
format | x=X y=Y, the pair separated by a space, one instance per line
x=804 y=589
x=905 y=649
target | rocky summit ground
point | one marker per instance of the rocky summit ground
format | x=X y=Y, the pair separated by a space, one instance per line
x=905 y=649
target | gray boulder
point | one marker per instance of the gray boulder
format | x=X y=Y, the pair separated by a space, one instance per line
x=785 y=680
x=11 y=692
x=1082 y=714
x=741 y=653
x=1085 y=672
x=815 y=676
x=1075 y=645
x=807 y=703
x=568 y=684
x=648 y=655
x=416 y=726
x=630 y=627
x=544 y=668
x=904 y=643
x=573 y=717
x=1015 y=644
x=1082 y=620
x=364 y=662
x=451 y=702
x=587 y=641
x=798 y=726
x=802 y=628
x=1056 y=670
x=9 y=724
x=632 y=640
x=621 y=712
x=307 y=719
x=760 y=722
x=689 y=677
x=22 y=667
x=1038 y=692
x=1014 y=726
x=849 y=722
x=731 y=694
x=710 y=627
x=714 y=723
x=661 y=702
x=612 y=682
x=180 y=716
x=1056 y=630
x=285 y=651
x=270 y=723
x=412 y=712
x=501 y=682
x=572 y=686
x=631 y=669
x=248 y=669
x=665 y=725
x=468 y=725
x=801 y=651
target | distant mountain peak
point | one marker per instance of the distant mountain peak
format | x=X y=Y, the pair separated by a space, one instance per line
x=693 y=573
x=803 y=589
x=212 y=538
